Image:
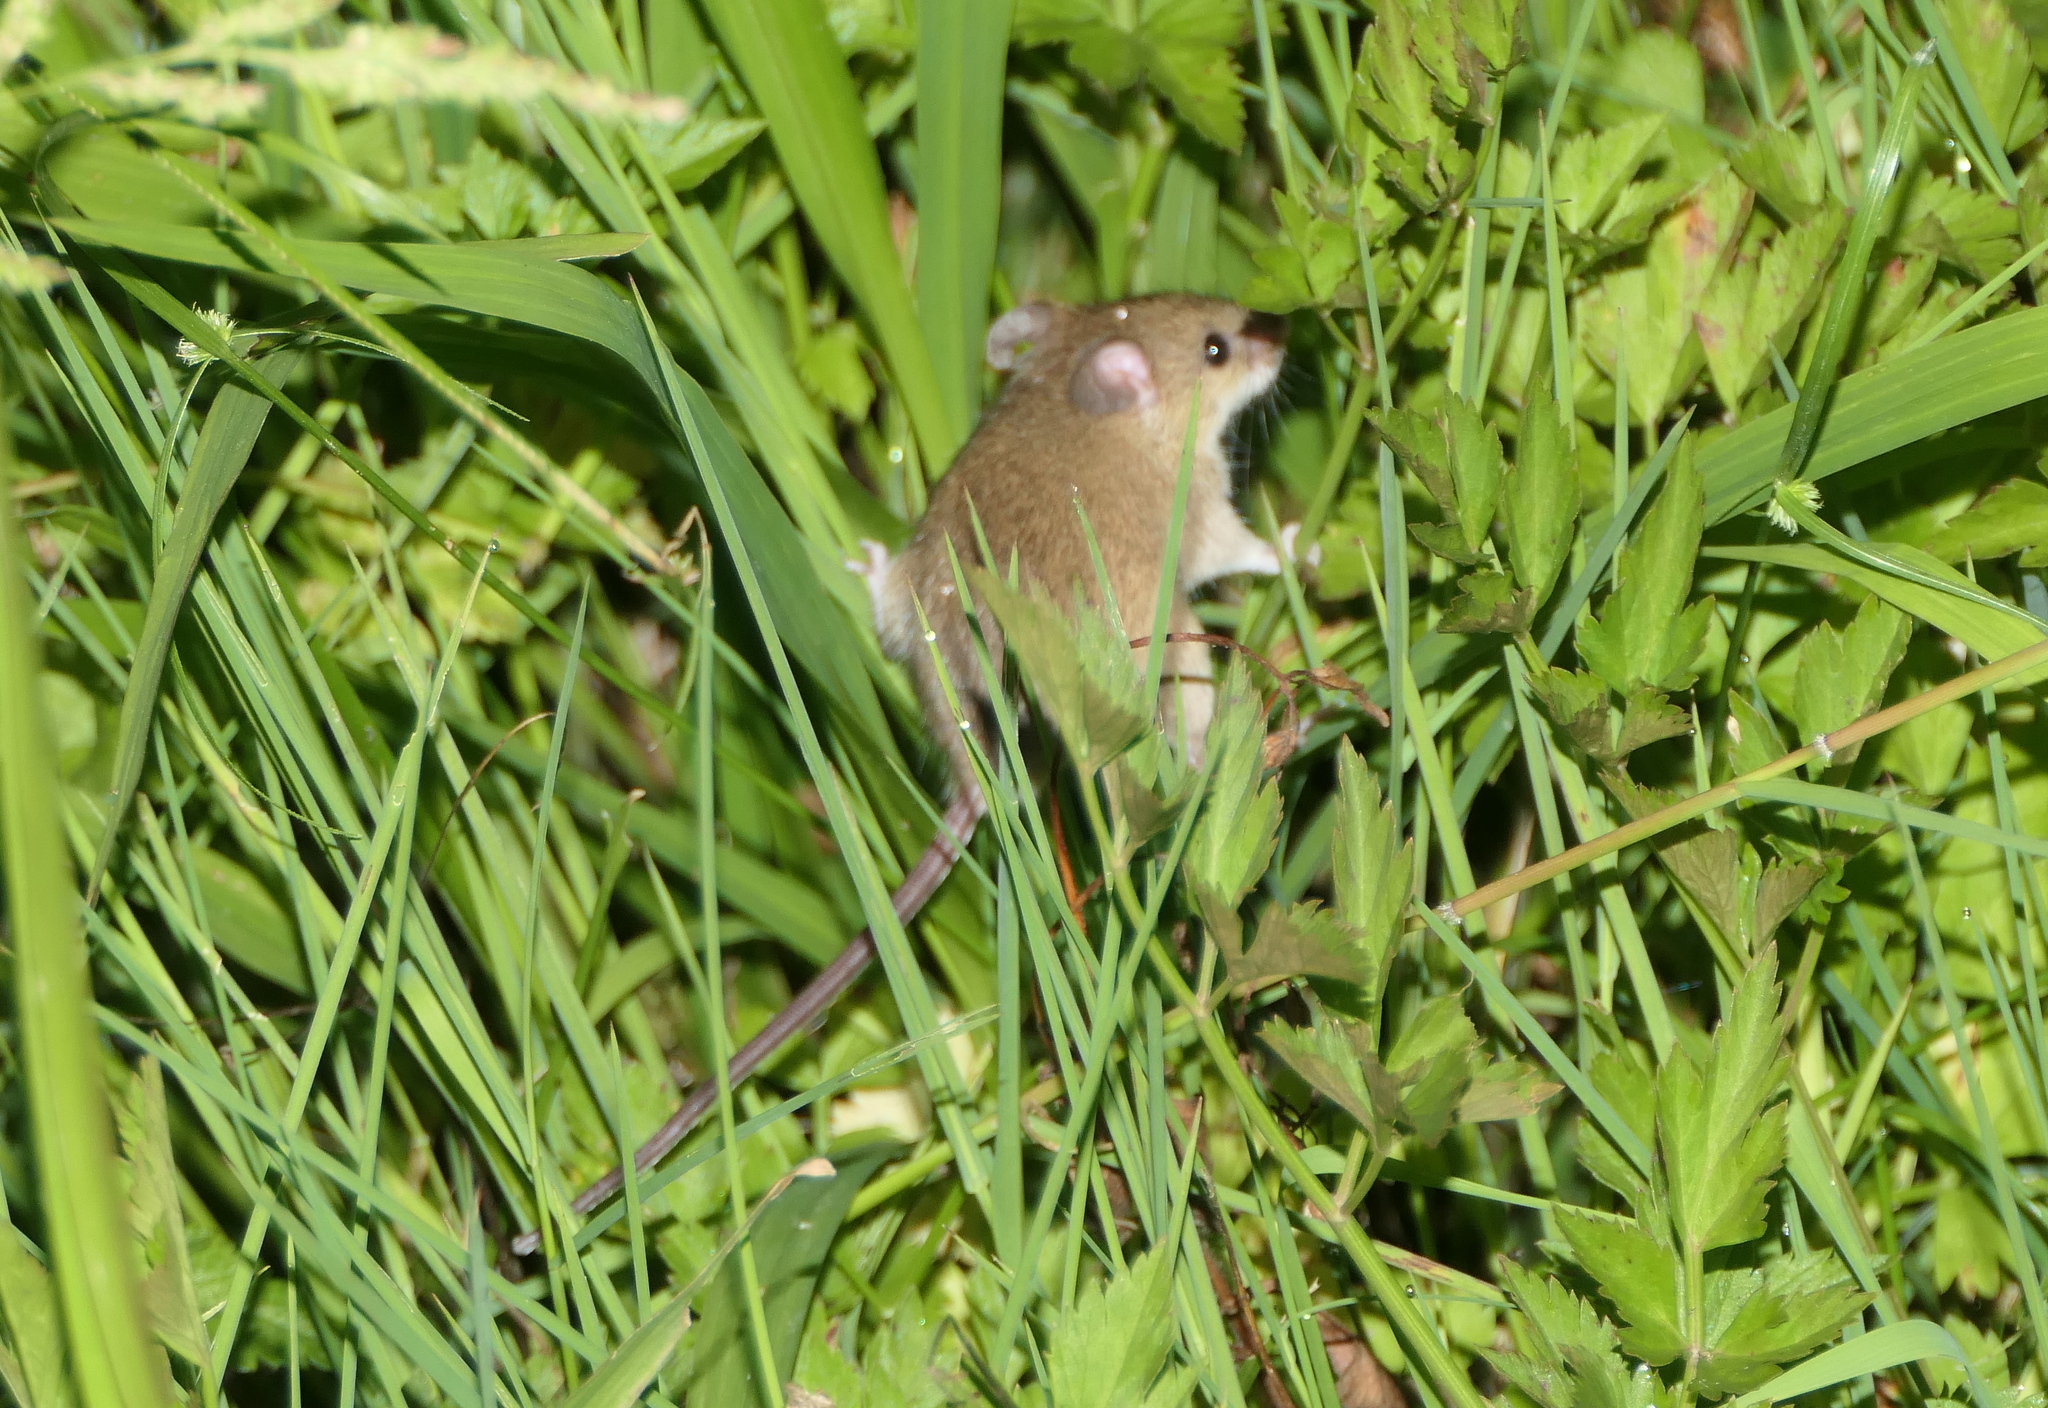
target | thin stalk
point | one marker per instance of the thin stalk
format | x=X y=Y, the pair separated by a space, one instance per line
x=1658 y=822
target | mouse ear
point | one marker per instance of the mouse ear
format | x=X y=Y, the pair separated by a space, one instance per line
x=1113 y=375
x=1027 y=322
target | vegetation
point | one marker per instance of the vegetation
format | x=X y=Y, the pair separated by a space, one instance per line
x=437 y=725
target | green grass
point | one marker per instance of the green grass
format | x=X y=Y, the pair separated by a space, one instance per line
x=436 y=722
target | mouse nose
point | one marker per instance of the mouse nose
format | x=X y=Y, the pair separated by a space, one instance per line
x=1266 y=327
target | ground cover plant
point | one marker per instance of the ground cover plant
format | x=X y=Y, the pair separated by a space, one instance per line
x=1597 y=960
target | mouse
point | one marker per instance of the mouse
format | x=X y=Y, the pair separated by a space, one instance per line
x=1093 y=420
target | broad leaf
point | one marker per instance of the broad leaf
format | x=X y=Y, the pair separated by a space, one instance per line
x=1637 y=1272
x=1107 y=1351
x=1719 y=1144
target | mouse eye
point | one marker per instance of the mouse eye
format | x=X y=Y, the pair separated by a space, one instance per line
x=1216 y=350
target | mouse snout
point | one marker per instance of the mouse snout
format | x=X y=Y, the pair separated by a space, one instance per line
x=1269 y=328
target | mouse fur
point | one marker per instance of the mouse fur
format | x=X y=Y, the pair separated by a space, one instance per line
x=1095 y=413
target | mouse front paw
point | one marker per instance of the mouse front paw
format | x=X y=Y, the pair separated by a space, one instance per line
x=872 y=567
x=1313 y=557
x=872 y=563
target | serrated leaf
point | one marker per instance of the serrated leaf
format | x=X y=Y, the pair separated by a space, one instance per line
x=1504 y=1089
x=1575 y=701
x=1644 y=311
x=1540 y=501
x=1588 y=171
x=1753 y=736
x=2013 y=517
x=1370 y=871
x=1760 y=301
x=1233 y=838
x=1646 y=715
x=1488 y=602
x=1308 y=266
x=1841 y=675
x=1783 y=166
x=1432 y=1061
x=1489 y=28
x=1183 y=47
x=1973 y=230
x=1335 y=1058
x=1082 y=673
x=1571 y=1360
x=1642 y=636
x=1446 y=540
x=1299 y=941
x=1636 y=1272
x=1758 y=1319
x=1996 y=55
x=1418 y=442
x=1109 y=1348
x=1720 y=1146
x=1475 y=461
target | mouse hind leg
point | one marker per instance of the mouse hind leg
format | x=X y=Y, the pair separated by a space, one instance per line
x=955 y=703
x=1187 y=687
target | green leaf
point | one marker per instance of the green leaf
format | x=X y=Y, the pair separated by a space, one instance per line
x=1643 y=636
x=35 y=1325
x=57 y=1039
x=791 y=64
x=1475 y=460
x=1488 y=602
x=1644 y=312
x=2013 y=517
x=1504 y=1089
x=1962 y=612
x=962 y=53
x=1571 y=1360
x=1783 y=166
x=1842 y=674
x=792 y=1240
x=1759 y=1319
x=1109 y=1348
x=1887 y=1347
x=1902 y=400
x=1973 y=230
x=1753 y=736
x=1182 y=46
x=1371 y=866
x=1082 y=673
x=1589 y=170
x=168 y=1296
x=1308 y=266
x=830 y=364
x=1969 y=1244
x=226 y=441
x=1412 y=54
x=1335 y=1058
x=1234 y=836
x=1999 y=61
x=1759 y=303
x=1637 y=1272
x=690 y=153
x=1298 y=941
x=1541 y=501
x=1719 y=1144
x=247 y=924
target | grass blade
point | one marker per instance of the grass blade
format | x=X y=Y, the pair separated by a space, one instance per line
x=87 y=1230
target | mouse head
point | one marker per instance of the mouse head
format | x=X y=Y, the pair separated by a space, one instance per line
x=1146 y=355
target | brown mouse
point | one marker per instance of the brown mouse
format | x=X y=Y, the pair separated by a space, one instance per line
x=1093 y=420
x=1095 y=413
